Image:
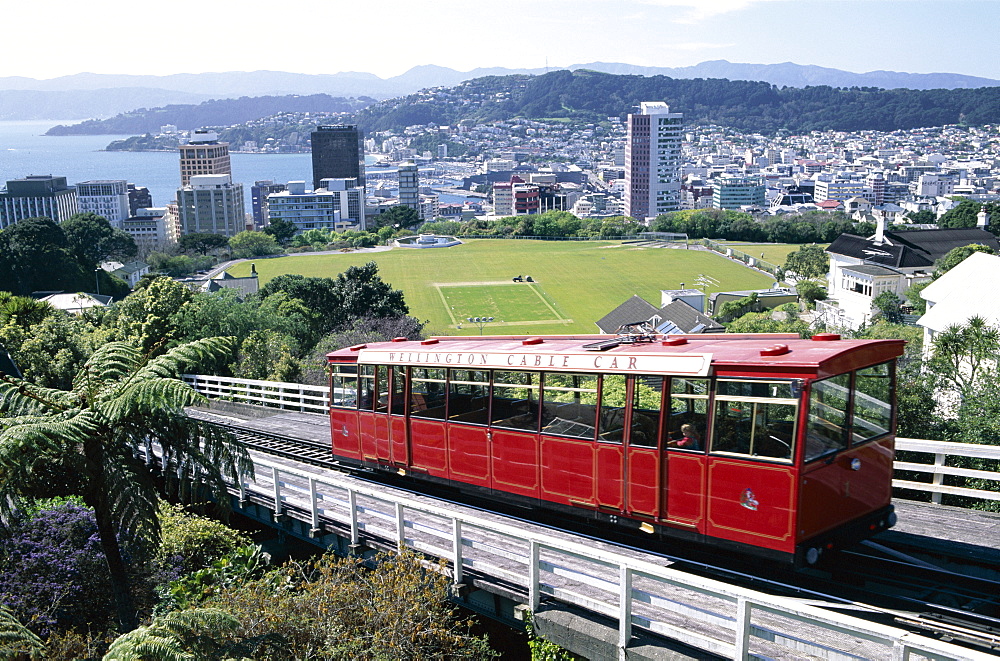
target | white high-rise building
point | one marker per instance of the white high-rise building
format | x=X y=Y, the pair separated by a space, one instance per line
x=106 y=198
x=202 y=155
x=653 y=161
x=409 y=185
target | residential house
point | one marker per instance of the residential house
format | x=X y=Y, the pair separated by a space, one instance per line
x=960 y=294
x=862 y=268
x=676 y=317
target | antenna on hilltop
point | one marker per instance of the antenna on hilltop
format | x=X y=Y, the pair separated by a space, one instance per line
x=546 y=64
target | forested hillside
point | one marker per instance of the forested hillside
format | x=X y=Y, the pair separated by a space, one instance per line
x=218 y=112
x=592 y=96
x=748 y=106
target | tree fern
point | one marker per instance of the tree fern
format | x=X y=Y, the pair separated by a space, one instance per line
x=15 y=637
x=120 y=401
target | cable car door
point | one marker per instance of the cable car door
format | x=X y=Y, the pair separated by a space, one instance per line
x=398 y=440
x=684 y=452
x=643 y=466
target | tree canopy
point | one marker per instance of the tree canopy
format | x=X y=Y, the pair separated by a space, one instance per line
x=93 y=240
x=809 y=261
x=965 y=214
x=202 y=242
x=958 y=255
x=398 y=216
x=249 y=243
x=282 y=230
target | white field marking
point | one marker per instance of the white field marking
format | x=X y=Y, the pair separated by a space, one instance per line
x=447 y=308
x=533 y=322
x=542 y=298
x=475 y=283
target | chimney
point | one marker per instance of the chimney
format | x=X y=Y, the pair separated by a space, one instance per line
x=983 y=218
x=880 y=230
x=253 y=270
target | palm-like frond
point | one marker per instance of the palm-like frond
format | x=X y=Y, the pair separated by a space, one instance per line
x=131 y=496
x=25 y=438
x=19 y=397
x=203 y=457
x=15 y=637
x=180 y=635
x=120 y=401
x=111 y=363
x=182 y=357
x=146 y=397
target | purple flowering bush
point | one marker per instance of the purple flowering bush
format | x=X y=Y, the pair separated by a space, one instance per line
x=52 y=573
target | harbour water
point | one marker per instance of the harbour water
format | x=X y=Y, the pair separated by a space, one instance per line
x=24 y=150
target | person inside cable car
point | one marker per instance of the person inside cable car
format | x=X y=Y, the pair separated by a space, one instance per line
x=690 y=440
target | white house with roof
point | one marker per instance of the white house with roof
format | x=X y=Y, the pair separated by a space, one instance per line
x=862 y=268
x=960 y=294
x=76 y=303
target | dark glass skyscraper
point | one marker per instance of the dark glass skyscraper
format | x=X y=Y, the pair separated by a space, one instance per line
x=338 y=152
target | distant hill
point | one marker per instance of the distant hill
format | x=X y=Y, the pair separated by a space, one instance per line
x=79 y=104
x=750 y=106
x=224 y=112
x=353 y=84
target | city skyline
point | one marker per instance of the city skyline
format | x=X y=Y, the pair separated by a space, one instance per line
x=913 y=36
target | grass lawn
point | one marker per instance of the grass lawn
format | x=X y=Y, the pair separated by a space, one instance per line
x=775 y=253
x=577 y=282
x=508 y=303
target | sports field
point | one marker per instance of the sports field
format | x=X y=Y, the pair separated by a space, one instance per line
x=775 y=253
x=576 y=282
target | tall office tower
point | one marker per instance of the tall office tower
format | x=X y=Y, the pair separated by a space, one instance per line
x=258 y=200
x=211 y=203
x=653 y=161
x=409 y=185
x=106 y=198
x=204 y=154
x=338 y=152
x=37 y=195
x=138 y=198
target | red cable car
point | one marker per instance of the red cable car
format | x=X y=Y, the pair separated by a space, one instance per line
x=765 y=443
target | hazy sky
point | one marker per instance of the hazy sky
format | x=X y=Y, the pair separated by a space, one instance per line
x=387 y=37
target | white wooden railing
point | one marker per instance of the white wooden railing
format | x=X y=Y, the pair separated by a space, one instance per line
x=277 y=394
x=939 y=451
x=709 y=615
x=315 y=399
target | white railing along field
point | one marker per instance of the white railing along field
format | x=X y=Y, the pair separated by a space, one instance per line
x=277 y=394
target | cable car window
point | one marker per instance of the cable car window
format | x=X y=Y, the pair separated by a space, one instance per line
x=369 y=393
x=427 y=392
x=569 y=405
x=611 y=420
x=468 y=396
x=344 y=386
x=755 y=419
x=872 y=403
x=398 y=402
x=688 y=411
x=515 y=400
x=741 y=389
x=647 y=402
x=829 y=401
